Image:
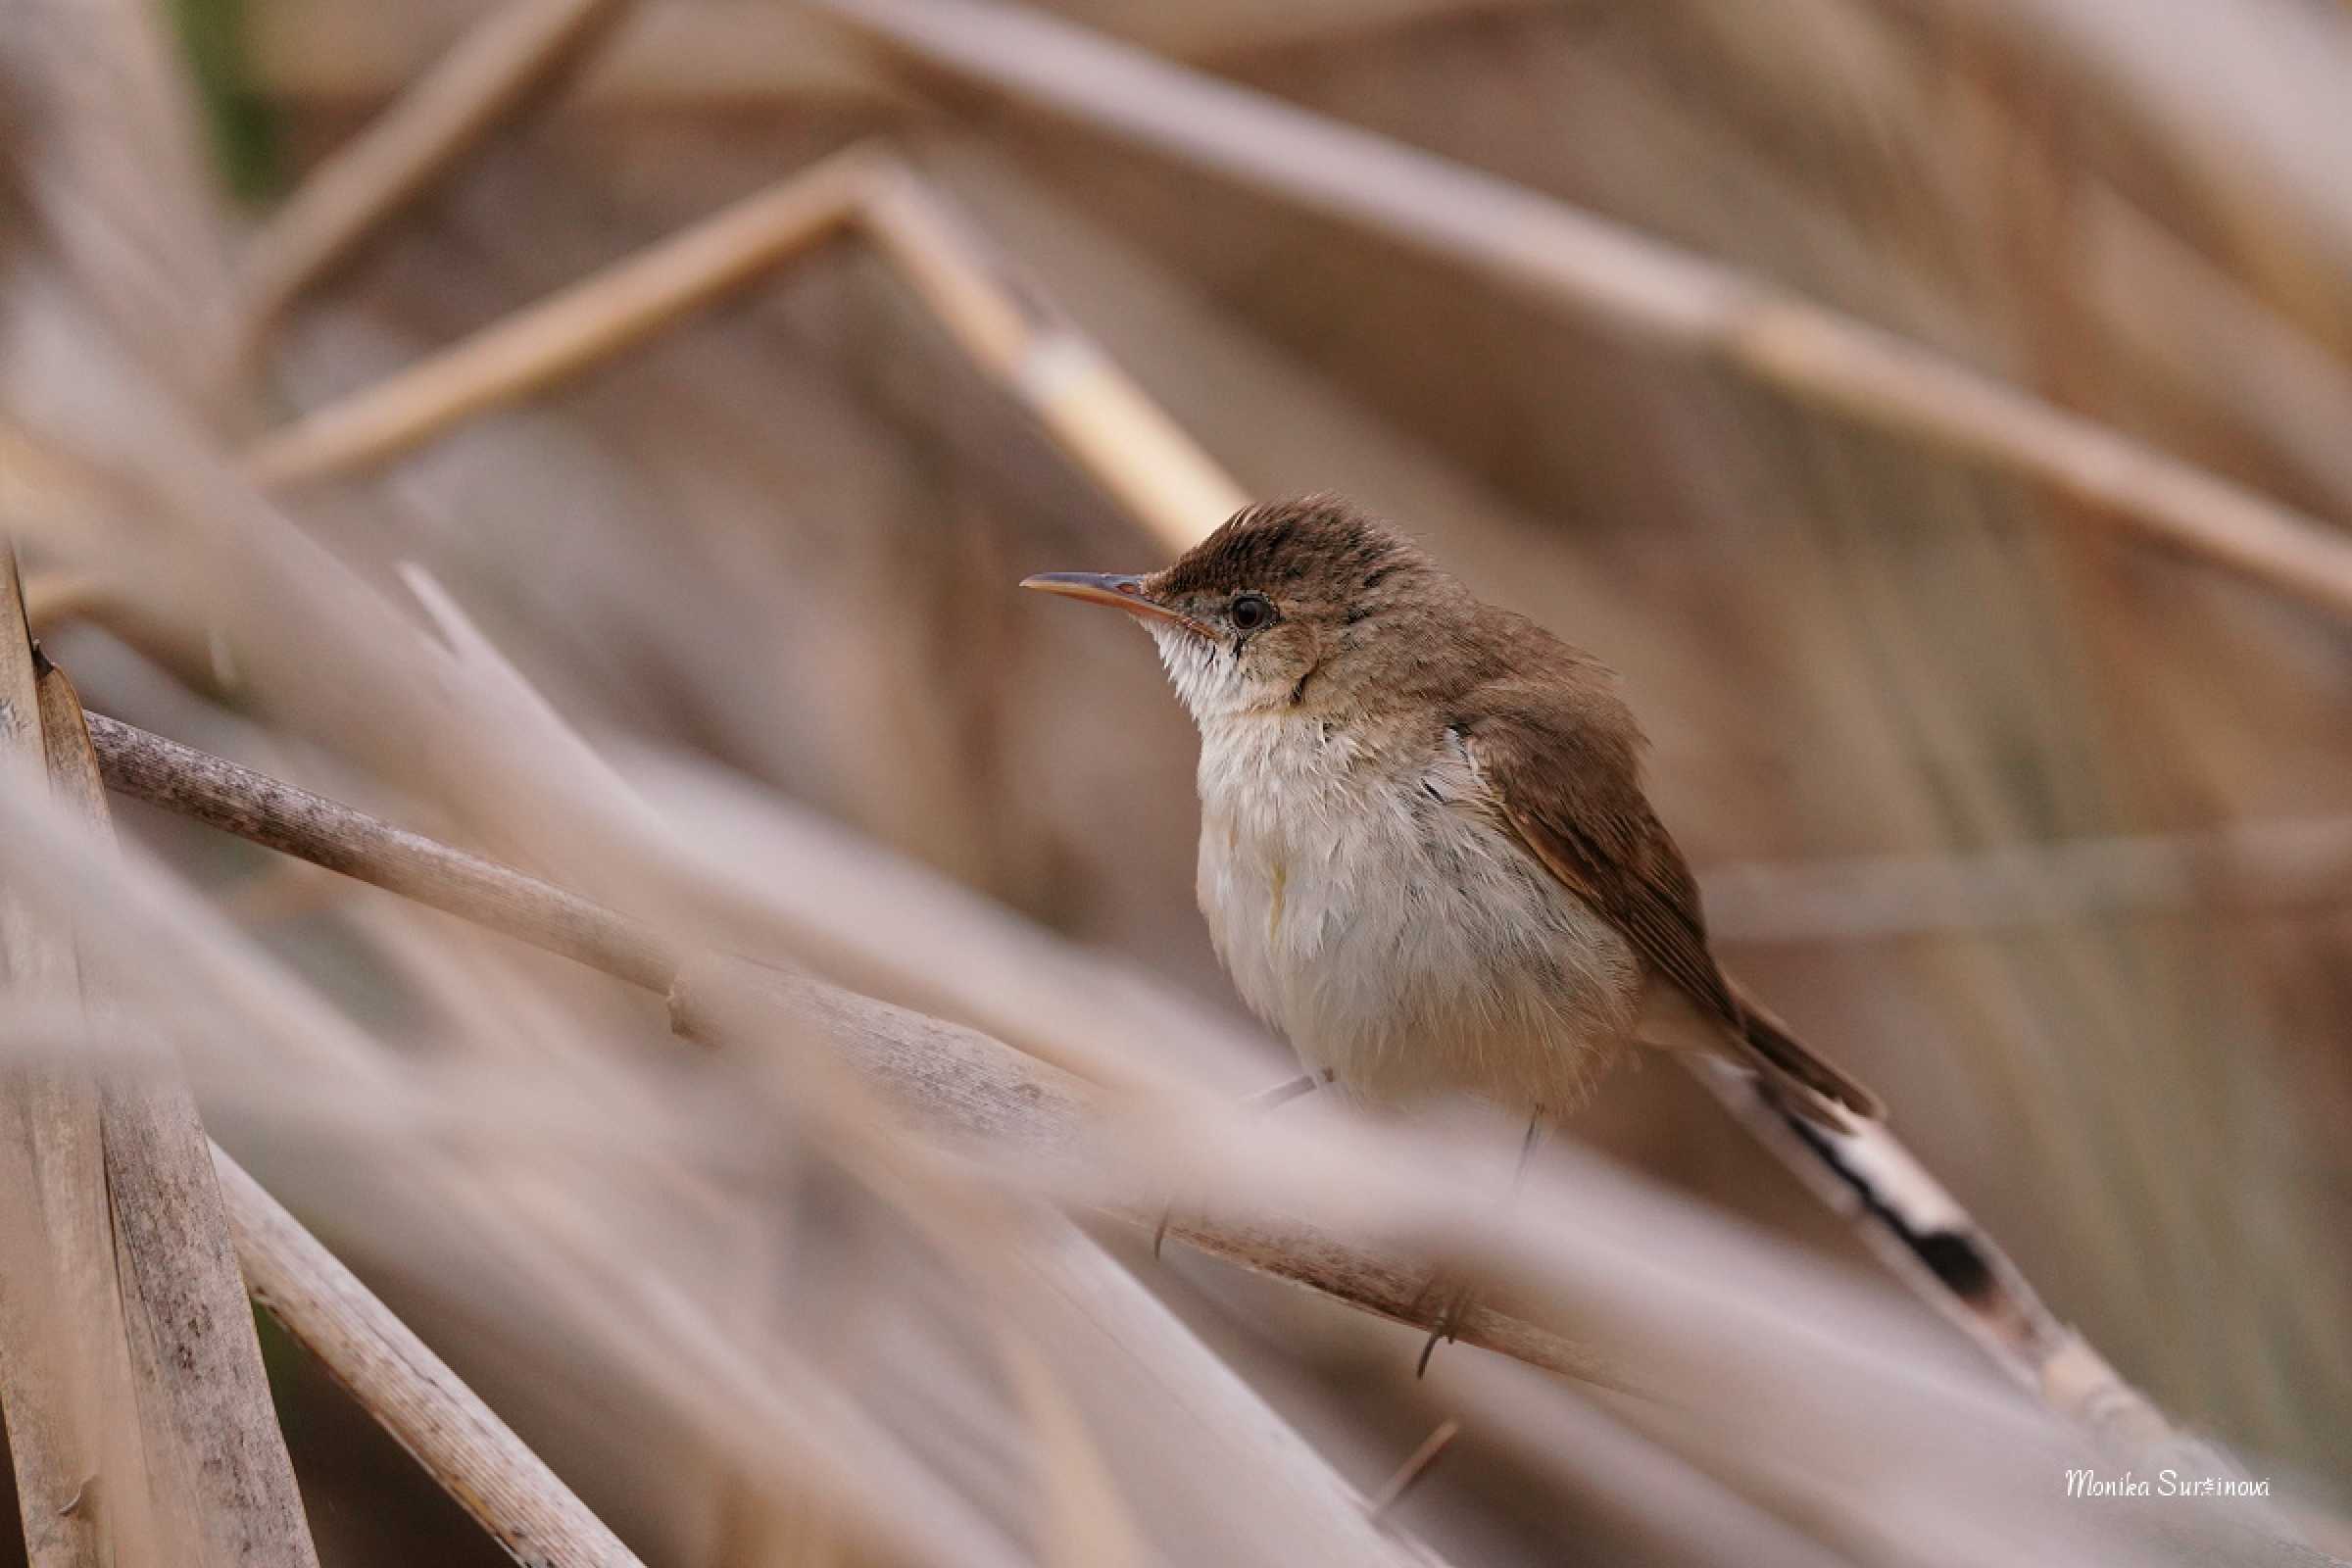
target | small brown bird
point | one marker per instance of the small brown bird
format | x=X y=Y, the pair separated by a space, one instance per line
x=1426 y=855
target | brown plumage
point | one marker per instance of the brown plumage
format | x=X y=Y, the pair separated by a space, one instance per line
x=1426 y=850
x=1580 y=810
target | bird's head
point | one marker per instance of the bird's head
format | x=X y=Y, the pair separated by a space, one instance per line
x=1286 y=605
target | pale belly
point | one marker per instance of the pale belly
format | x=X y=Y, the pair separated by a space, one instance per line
x=1397 y=935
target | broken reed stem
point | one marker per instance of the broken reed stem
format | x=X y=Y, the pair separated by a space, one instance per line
x=1564 y=258
x=224 y=1483
x=1092 y=409
x=397 y=1379
x=949 y=1076
x=513 y=58
x=171 y=1432
x=63 y=1344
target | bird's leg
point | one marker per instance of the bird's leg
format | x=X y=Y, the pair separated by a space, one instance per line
x=1263 y=1100
x=1459 y=1299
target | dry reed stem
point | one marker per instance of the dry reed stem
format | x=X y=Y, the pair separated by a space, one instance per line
x=151 y=1421
x=1415 y=1467
x=923 y=1053
x=61 y=1327
x=579 y=326
x=236 y=800
x=394 y=1376
x=1900 y=1210
x=134 y=1443
x=1566 y=257
x=958 y=1080
x=214 y=1459
x=968 y=1084
x=50 y=1421
x=1099 y=416
x=1090 y=407
x=512 y=59
x=971 y=1086
x=978 y=321
x=397 y=1379
x=1004 y=977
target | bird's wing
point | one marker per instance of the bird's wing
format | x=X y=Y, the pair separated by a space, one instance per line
x=1574 y=799
x=1571 y=791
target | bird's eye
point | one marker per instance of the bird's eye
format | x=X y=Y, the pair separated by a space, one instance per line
x=1251 y=611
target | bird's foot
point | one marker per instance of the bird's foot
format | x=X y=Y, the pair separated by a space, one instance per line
x=1455 y=1299
x=1265 y=1099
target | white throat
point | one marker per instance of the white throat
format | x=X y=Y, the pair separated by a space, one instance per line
x=1207 y=677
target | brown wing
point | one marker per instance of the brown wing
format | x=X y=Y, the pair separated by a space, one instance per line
x=1571 y=789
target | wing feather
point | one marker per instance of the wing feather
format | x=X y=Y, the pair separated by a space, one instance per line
x=1571 y=790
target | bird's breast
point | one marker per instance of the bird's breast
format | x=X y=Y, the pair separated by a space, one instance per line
x=1285 y=807
x=1365 y=903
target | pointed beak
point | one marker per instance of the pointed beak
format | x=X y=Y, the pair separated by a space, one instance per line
x=1119 y=590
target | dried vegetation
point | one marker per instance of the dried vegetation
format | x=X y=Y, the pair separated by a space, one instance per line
x=748 y=1086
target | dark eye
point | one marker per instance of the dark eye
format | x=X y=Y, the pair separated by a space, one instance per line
x=1251 y=611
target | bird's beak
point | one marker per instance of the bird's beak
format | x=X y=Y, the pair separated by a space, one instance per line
x=1118 y=590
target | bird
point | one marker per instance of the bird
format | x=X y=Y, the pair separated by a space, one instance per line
x=1428 y=855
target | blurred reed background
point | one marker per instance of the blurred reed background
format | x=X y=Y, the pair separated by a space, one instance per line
x=2037 y=815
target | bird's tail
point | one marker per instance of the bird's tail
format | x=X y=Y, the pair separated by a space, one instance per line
x=1813 y=1083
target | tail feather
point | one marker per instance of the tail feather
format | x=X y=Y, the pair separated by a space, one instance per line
x=1787 y=1061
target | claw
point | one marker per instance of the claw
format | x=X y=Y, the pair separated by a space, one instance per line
x=1460 y=1299
x=1449 y=1321
x=1265 y=1099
